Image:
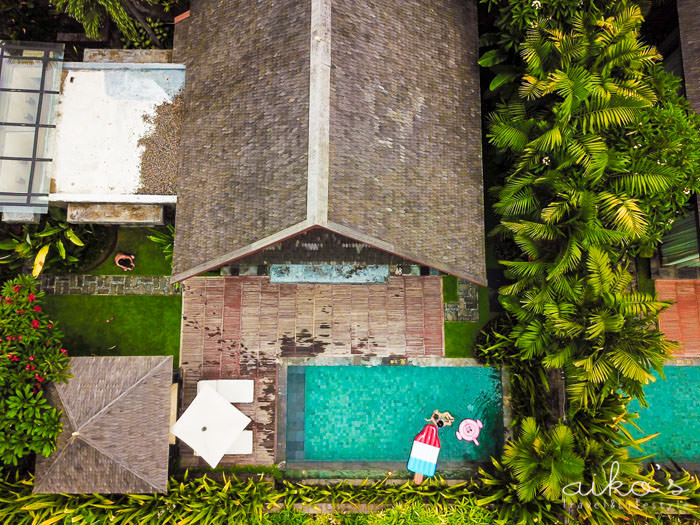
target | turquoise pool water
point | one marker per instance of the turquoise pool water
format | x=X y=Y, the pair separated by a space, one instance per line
x=674 y=411
x=358 y=413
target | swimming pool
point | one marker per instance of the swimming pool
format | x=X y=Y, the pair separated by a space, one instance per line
x=674 y=412
x=372 y=413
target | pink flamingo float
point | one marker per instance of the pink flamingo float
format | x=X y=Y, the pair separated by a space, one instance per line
x=469 y=430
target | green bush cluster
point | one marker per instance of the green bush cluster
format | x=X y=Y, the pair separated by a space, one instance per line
x=51 y=242
x=601 y=153
x=31 y=356
x=142 y=40
x=165 y=238
x=234 y=500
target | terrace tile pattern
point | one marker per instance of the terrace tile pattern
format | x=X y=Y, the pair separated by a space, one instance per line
x=239 y=327
x=681 y=321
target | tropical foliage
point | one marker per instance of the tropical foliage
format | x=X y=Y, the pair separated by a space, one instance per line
x=165 y=239
x=587 y=165
x=129 y=16
x=234 y=500
x=143 y=40
x=668 y=127
x=50 y=241
x=93 y=13
x=31 y=356
x=572 y=205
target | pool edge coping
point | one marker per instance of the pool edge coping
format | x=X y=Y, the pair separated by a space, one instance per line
x=281 y=419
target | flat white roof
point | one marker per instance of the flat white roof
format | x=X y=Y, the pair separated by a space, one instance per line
x=103 y=112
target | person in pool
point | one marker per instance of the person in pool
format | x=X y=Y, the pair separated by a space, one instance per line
x=124 y=261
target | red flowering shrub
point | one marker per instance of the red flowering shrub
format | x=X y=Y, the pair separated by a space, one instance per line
x=31 y=355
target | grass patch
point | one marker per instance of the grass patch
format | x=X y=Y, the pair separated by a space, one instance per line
x=449 y=289
x=460 y=335
x=139 y=324
x=236 y=470
x=459 y=338
x=149 y=258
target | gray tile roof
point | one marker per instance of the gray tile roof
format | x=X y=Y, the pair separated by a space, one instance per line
x=406 y=129
x=386 y=141
x=116 y=414
x=244 y=139
x=689 y=24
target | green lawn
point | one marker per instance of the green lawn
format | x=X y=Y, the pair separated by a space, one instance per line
x=138 y=324
x=460 y=335
x=449 y=289
x=149 y=258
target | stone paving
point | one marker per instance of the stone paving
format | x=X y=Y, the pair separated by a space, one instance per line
x=467 y=308
x=107 y=285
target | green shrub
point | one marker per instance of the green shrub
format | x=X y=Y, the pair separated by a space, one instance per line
x=30 y=357
x=52 y=241
x=142 y=40
x=202 y=500
x=591 y=175
x=165 y=239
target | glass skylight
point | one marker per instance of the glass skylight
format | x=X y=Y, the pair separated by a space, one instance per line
x=30 y=80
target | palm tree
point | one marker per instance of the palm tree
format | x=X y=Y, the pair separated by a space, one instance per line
x=93 y=14
x=543 y=462
x=574 y=203
x=566 y=208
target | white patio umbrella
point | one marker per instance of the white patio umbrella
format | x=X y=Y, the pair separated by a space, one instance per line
x=210 y=425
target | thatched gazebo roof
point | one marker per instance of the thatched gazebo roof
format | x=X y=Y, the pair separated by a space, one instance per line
x=115 y=415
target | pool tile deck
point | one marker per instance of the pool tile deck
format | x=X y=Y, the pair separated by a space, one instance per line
x=681 y=321
x=239 y=327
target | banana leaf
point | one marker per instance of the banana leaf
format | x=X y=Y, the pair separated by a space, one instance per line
x=72 y=237
x=48 y=231
x=61 y=248
x=40 y=260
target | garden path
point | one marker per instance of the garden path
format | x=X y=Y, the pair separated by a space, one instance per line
x=107 y=285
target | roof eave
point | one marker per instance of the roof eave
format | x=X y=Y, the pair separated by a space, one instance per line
x=450 y=269
x=334 y=227
x=231 y=256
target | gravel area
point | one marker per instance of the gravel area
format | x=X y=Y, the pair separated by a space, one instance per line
x=159 y=159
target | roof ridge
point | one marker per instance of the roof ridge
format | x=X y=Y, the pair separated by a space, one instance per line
x=61 y=452
x=88 y=442
x=120 y=396
x=66 y=409
x=52 y=465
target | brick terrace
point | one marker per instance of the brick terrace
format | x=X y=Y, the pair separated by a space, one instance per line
x=239 y=327
x=681 y=321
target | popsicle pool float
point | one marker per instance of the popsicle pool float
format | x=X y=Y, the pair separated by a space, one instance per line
x=469 y=430
x=424 y=453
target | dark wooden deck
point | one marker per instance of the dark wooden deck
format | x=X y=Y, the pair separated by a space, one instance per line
x=239 y=327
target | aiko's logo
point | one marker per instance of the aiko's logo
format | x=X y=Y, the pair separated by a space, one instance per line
x=637 y=488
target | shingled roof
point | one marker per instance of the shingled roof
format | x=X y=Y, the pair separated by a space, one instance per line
x=689 y=25
x=334 y=114
x=115 y=420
